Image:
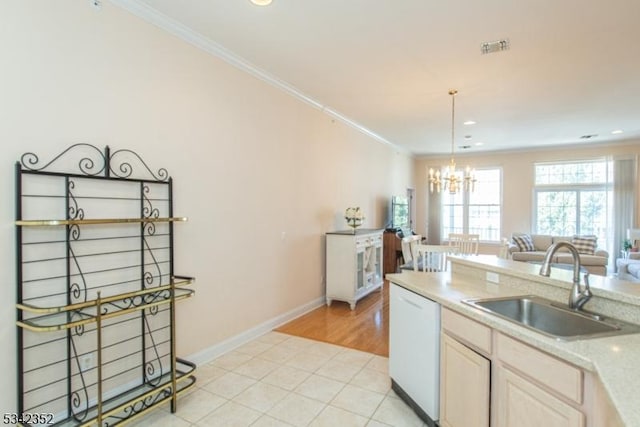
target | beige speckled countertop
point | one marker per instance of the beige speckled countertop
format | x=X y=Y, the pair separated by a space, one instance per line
x=616 y=360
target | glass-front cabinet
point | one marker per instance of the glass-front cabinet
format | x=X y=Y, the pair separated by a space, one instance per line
x=354 y=264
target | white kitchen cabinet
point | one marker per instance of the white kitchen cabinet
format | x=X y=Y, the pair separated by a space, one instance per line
x=523 y=404
x=534 y=388
x=465 y=374
x=464 y=386
x=354 y=264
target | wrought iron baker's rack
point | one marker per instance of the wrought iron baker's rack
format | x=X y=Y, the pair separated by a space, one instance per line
x=96 y=289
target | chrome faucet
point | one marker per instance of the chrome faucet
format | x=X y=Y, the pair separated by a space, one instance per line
x=578 y=297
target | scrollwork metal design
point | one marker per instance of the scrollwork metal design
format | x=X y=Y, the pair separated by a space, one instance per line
x=124 y=169
x=79 y=397
x=86 y=165
x=137 y=407
x=150 y=375
x=77 y=291
x=135 y=301
x=148 y=211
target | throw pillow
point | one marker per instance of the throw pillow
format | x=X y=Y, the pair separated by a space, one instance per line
x=585 y=244
x=524 y=242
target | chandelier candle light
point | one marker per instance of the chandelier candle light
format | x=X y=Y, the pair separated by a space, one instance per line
x=452 y=178
x=354 y=217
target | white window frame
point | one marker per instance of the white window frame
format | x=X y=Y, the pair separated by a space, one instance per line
x=444 y=234
x=578 y=188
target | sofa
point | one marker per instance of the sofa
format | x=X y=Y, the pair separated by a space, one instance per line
x=533 y=247
x=629 y=269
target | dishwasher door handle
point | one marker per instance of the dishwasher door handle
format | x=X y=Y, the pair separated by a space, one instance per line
x=416 y=305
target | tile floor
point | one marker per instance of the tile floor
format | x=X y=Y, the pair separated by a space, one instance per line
x=283 y=380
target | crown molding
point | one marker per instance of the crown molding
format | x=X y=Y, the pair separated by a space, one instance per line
x=153 y=16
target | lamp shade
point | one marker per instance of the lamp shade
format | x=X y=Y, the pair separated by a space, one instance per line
x=633 y=234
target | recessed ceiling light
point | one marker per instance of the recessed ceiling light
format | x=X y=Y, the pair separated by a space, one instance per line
x=261 y=2
x=469 y=122
x=479 y=143
x=617 y=131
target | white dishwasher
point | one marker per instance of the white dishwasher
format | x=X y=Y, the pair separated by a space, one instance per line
x=414 y=351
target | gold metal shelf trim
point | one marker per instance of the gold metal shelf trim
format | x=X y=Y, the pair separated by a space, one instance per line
x=182 y=376
x=54 y=222
x=32 y=324
x=182 y=380
x=178 y=281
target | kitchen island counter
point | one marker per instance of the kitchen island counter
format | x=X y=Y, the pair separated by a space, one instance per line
x=613 y=359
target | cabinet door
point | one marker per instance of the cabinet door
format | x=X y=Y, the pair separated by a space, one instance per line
x=360 y=269
x=464 y=386
x=522 y=404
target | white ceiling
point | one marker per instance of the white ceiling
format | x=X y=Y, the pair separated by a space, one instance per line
x=573 y=68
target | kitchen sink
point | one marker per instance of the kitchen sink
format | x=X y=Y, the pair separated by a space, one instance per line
x=552 y=318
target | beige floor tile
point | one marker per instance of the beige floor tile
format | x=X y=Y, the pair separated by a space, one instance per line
x=296 y=410
x=208 y=372
x=267 y=421
x=394 y=411
x=297 y=343
x=273 y=337
x=372 y=380
x=230 y=414
x=229 y=385
x=320 y=388
x=261 y=396
x=161 y=418
x=256 y=368
x=324 y=349
x=358 y=400
x=339 y=370
x=307 y=361
x=379 y=363
x=332 y=417
x=278 y=354
x=231 y=360
x=353 y=357
x=286 y=377
x=253 y=348
x=279 y=380
x=195 y=406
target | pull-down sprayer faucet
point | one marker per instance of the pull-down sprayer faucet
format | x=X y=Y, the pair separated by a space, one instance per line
x=578 y=297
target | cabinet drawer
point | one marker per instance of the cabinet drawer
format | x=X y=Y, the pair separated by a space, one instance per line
x=475 y=334
x=520 y=403
x=559 y=376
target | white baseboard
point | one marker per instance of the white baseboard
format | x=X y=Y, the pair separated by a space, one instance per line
x=216 y=350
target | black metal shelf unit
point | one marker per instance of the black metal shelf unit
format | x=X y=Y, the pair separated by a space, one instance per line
x=96 y=288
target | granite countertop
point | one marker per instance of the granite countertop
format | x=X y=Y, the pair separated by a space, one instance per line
x=613 y=359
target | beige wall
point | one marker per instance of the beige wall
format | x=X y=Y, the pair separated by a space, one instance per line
x=260 y=175
x=517 y=169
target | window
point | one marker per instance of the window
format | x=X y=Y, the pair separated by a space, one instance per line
x=573 y=198
x=400 y=212
x=477 y=212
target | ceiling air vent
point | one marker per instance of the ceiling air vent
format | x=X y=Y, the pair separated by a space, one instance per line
x=494 y=46
x=588 y=136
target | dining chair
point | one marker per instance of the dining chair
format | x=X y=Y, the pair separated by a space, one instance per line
x=407 y=245
x=431 y=258
x=466 y=244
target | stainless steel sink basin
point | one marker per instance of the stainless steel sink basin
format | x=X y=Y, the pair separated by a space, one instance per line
x=552 y=318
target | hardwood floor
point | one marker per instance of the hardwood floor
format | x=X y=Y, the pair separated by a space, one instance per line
x=366 y=328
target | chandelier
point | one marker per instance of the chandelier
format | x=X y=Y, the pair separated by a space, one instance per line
x=452 y=179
